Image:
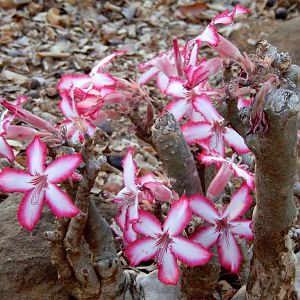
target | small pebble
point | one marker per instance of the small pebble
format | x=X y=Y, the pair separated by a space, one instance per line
x=281 y=13
x=105 y=126
x=270 y=3
x=33 y=94
x=115 y=161
x=36 y=82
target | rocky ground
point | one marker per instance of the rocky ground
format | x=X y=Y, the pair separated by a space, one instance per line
x=41 y=40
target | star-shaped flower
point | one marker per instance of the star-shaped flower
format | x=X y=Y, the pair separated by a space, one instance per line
x=165 y=242
x=225 y=225
x=39 y=184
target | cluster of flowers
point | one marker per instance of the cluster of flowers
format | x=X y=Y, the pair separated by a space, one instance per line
x=180 y=74
x=84 y=97
x=145 y=237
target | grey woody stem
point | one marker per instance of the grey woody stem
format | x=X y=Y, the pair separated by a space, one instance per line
x=272 y=272
x=178 y=160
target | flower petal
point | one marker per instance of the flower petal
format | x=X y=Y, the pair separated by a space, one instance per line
x=242 y=228
x=223 y=18
x=209 y=35
x=66 y=107
x=207 y=160
x=59 y=202
x=240 y=202
x=121 y=217
x=76 y=80
x=178 y=216
x=196 y=131
x=104 y=61
x=141 y=250
x=175 y=88
x=168 y=270
x=217 y=143
x=129 y=234
x=63 y=167
x=191 y=52
x=36 y=156
x=147 y=224
x=12 y=180
x=161 y=192
x=207 y=236
x=20 y=133
x=240 y=171
x=203 y=208
x=203 y=105
x=101 y=80
x=234 y=140
x=229 y=252
x=189 y=252
x=132 y=213
x=6 y=150
x=149 y=177
x=129 y=170
x=162 y=81
x=30 y=209
x=179 y=108
x=27 y=116
x=219 y=182
x=148 y=75
x=123 y=194
x=240 y=10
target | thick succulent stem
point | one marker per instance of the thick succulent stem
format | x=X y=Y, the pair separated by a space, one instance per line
x=176 y=155
x=104 y=256
x=272 y=271
x=197 y=282
x=83 y=248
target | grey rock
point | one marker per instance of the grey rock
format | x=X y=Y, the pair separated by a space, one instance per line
x=25 y=268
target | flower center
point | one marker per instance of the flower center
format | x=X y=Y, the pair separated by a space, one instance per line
x=162 y=244
x=222 y=225
x=40 y=182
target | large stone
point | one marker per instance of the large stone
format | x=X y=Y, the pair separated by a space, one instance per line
x=25 y=268
x=284 y=34
x=155 y=290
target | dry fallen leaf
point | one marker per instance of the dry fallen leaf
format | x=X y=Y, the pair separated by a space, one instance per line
x=53 y=16
x=12 y=76
x=12 y=3
x=55 y=19
x=191 y=11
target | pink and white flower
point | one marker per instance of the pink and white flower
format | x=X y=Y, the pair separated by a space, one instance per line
x=201 y=72
x=227 y=17
x=96 y=79
x=137 y=189
x=39 y=184
x=213 y=135
x=227 y=170
x=161 y=67
x=212 y=38
x=165 y=242
x=5 y=149
x=188 y=102
x=225 y=226
x=27 y=117
x=76 y=125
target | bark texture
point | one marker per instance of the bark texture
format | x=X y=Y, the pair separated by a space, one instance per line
x=176 y=155
x=197 y=282
x=272 y=272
